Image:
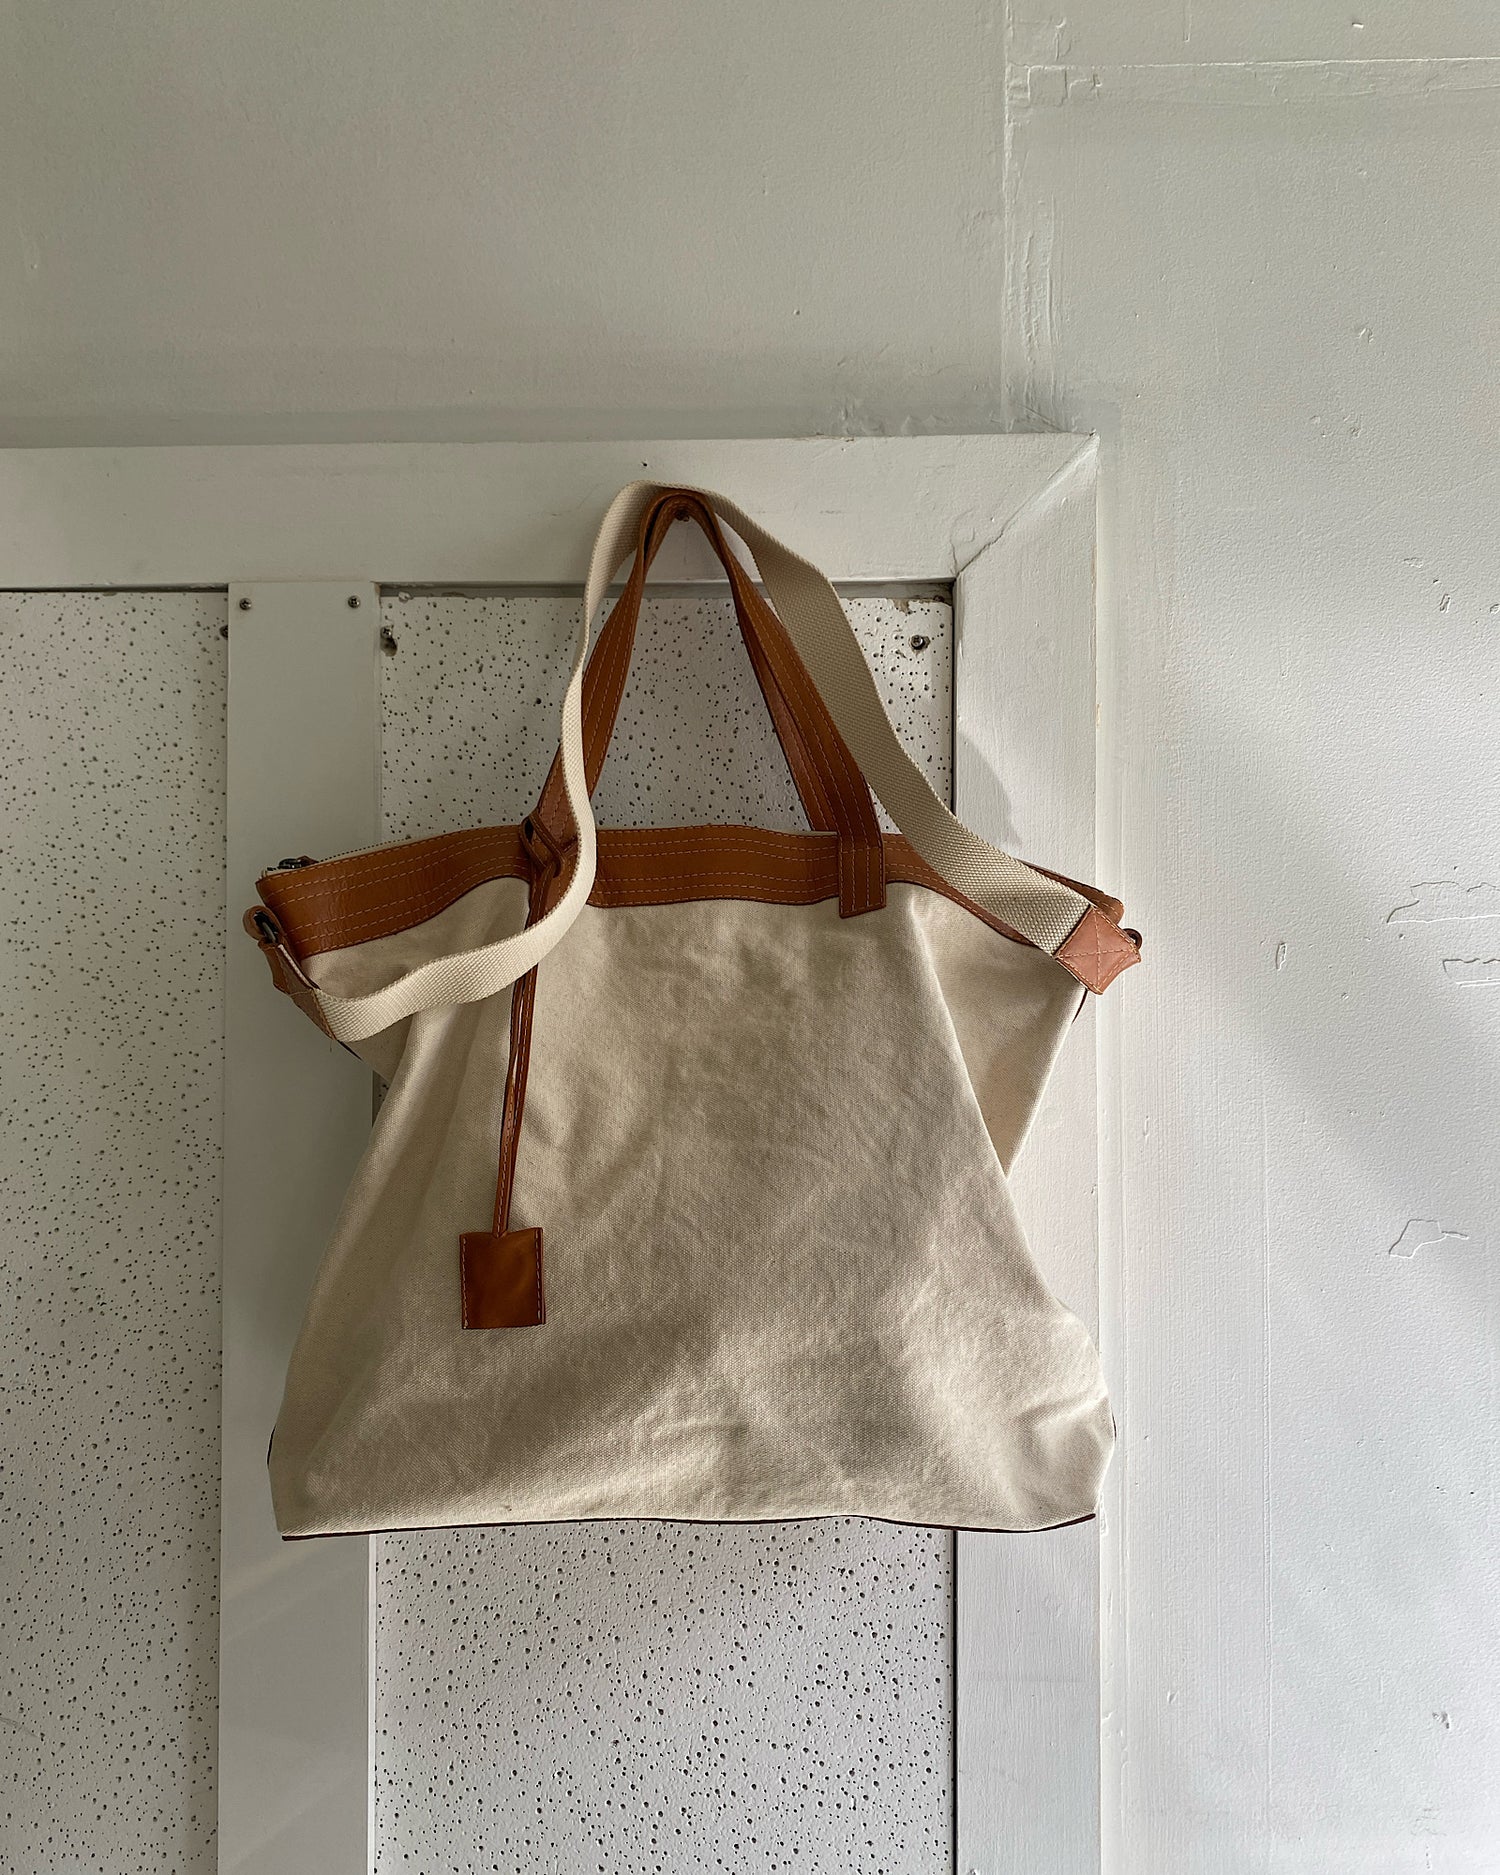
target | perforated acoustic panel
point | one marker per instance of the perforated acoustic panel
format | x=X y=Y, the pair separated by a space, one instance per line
x=111 y=1065
x=652 y=1698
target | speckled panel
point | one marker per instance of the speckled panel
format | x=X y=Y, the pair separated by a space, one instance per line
x=111 y=1058
x=472 y=688
x=665 y=1698
x=652 y=1698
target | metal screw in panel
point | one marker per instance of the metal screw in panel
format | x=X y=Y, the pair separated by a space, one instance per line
x=354 y=602
x=244 y=605
x=920 y=642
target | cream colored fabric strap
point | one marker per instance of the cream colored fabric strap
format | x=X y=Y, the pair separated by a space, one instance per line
x=1038 y=907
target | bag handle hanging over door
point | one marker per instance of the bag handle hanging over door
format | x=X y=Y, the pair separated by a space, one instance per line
x=833 y=793
x=1044 y=911
x=605 y=674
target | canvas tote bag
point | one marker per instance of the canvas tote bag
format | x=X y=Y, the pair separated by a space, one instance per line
x=688 y=1196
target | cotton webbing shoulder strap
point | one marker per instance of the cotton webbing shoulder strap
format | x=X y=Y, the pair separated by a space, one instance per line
x=1040 y=908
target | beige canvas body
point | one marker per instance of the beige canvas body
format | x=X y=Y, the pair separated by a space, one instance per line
x=766 y=1144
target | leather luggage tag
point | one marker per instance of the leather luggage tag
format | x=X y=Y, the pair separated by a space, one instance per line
x=502 y=1279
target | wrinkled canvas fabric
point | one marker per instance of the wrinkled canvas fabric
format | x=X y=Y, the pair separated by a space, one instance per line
x=769 y=1150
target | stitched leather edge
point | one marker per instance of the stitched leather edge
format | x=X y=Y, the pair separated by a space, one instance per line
x=341 y=902
x=470 y=1247
x=1096 y=950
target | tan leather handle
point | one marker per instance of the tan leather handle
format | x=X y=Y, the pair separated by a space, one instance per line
x=611 y=662
x=832 y=790
x=604 y=681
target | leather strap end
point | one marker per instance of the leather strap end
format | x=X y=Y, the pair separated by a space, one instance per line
x=1096 y=950
x=286 y=974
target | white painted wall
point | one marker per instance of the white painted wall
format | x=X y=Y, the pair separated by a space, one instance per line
x=1274 y=293
x=309 y=220
x=1254 y=246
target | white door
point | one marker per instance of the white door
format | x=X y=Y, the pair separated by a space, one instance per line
x=649 y=1696
x=841 y=1695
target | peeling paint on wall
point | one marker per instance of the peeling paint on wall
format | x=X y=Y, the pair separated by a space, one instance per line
x=1421 y=1233
x=1472 y=972
x=1442 y=901
x=1265 y=82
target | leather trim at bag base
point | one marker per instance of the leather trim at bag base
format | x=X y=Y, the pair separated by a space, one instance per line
x=695 y=1523
x=343 y=902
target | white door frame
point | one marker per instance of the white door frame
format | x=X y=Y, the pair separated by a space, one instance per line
x=300 y=532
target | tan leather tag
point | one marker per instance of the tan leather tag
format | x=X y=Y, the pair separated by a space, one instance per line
x=502 y=1279
x=1096 y=951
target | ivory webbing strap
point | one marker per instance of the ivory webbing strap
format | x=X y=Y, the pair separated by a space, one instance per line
x=1038 y=907
x=469 y=976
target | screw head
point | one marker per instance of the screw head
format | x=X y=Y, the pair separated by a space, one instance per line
x=920 y=642
x=354 y=602
x=244 y=605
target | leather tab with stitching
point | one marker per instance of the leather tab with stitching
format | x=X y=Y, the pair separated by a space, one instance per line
x=1095 y=951
x=502 y=1279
